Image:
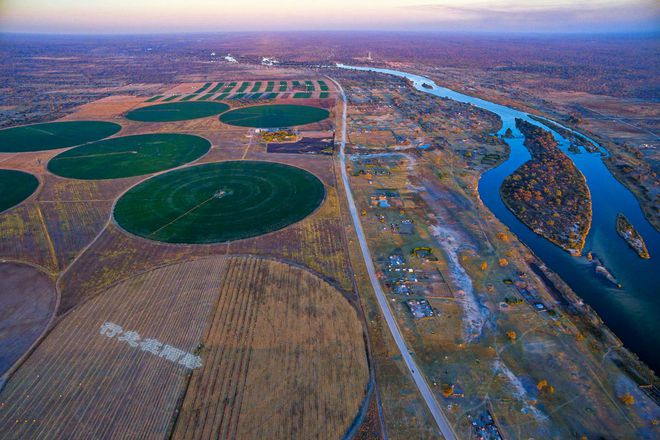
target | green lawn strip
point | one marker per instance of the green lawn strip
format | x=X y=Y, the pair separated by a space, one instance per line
x=221 y=96
x=217 y=87
x=207 y=96
x=309 y=85
x=323 y=86
x=189 y=97
x=323 y=95
x=204 y=87
x=270 y=95
x=170 y=98
x=243 y=87
x=302 y=95
x=255 y=96
x=128 y=156
x=219 y=202
x=53 y=135
x=238 y=96
x=274 y=115
x=15 y=186
x=283 y=86
x=270 y=86
x=256 y=87
x=177 y=111
x=154 y=98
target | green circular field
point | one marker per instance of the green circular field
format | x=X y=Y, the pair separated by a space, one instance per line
x=176 y=111
x=129 y=156
x=15 y=186
x=219 y=202
x=274 y=116
x=53 y=135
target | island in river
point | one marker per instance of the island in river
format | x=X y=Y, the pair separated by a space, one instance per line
x=548 y=193
x=628 y=232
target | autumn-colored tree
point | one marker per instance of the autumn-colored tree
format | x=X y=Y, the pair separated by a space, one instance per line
x=484 y=265
x=503 y=262
x=511 y=335
x=447 y=389
x=628 y=399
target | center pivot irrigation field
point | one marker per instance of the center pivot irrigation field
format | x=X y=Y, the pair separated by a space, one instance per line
x=129 y=156
x=177 y=111
x=219 y=202
x=15 y=186
x=53 y=135
x=273 y=116
x=281 y=356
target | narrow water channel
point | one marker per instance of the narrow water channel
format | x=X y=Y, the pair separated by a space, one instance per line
x=631 y=311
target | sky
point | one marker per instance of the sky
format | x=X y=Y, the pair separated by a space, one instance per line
x=174 y=16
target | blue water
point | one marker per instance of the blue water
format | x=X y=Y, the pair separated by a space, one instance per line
x=632 y=311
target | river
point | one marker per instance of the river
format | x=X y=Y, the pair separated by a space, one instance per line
x=631 y=311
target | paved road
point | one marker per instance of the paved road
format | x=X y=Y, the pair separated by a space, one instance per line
x=424 y=389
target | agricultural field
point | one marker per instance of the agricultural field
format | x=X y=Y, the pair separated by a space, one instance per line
x=176 y=111
x=128 y=156
x=54 y=135
x=219 y=202
x=25 y=316
x=273 y=116
x=15 y=186
x=123 y=359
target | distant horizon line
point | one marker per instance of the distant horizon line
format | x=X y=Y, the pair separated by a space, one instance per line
x=339 y=31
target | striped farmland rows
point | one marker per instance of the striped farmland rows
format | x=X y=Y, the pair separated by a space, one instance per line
x=171 y=98
x=284 y=358
x=270 y=86
x=217 y=87
x=189 y=97
x=323 y=95
x=256 y=86
x=323 y=86
x=310 y=86
x=229 y=87
x=154 y=98
x=243 y=87
x=299 y=95
x=80 y=384
x=206 y=96
x=204 y=87
x=221 y=96
x=283 y=86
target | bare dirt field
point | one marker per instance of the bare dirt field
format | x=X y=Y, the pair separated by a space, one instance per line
x=27 y=302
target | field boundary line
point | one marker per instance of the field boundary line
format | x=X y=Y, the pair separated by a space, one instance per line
x=51 y=246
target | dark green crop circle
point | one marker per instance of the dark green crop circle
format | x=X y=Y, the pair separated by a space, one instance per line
x=15 y=186
x=177 y=111
x=274 y=116
x=129 y=156
x=219 y=202
x=53 y=135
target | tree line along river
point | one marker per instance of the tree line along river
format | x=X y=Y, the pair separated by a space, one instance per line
x=632 y=310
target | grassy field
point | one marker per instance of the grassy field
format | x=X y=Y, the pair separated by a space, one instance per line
x=291 y=365
x=154 y=98
x=280 y=115
x=176 y=111
x=53 y=135
x=270 y=86
x=129 y=156
x=189 y=97
x=256 y=86
x=206 y=96
x=170 y=98
x=15 y=186
x=305 y=95
x=323 y=85
x=216 y=88
x=219 y=202
x=243 y=87
x=323 y=95
x=283 y=86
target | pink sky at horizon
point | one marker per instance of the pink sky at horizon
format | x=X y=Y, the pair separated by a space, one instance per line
x=151 y=16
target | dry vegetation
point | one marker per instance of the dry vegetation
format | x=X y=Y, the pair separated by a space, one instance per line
x=285 y=359
x=282 y=353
